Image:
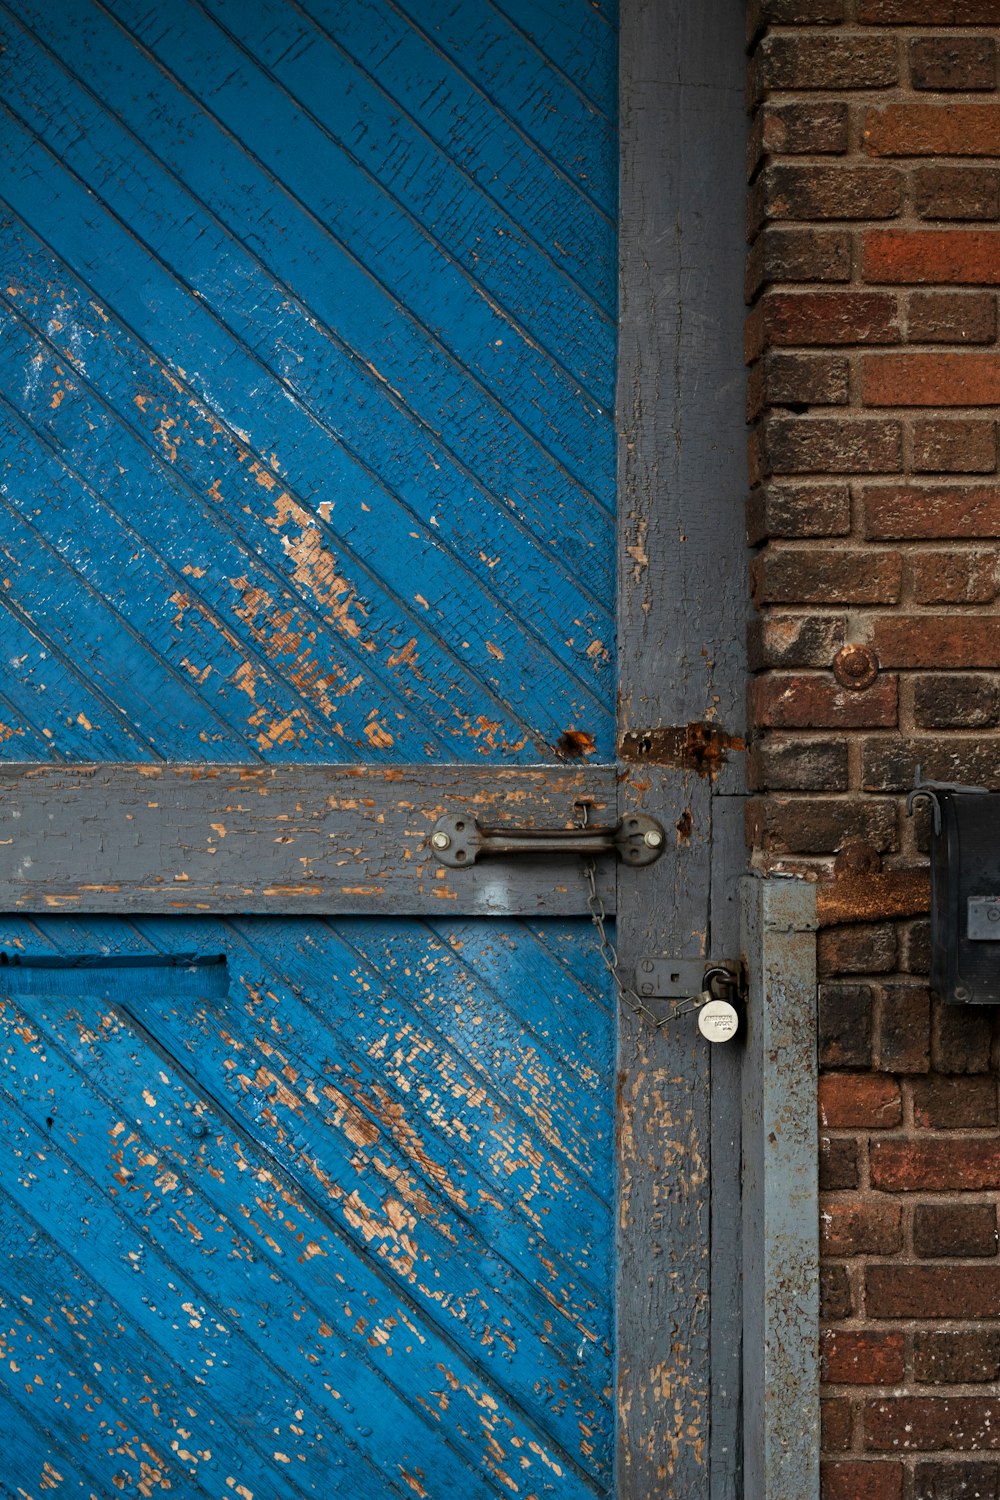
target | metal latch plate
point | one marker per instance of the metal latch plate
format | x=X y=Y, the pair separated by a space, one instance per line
x=984 y=918
x=669 y=978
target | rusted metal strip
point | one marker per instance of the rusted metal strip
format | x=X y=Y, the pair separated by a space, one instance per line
x=289 y=840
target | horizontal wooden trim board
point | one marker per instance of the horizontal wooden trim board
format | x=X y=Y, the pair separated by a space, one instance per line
x=298 y=839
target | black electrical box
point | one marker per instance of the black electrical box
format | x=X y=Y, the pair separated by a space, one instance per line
x=965 y=894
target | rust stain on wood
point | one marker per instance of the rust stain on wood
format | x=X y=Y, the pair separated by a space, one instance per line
x=699 y=747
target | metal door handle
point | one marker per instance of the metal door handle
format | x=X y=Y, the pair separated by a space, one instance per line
x=459 y=840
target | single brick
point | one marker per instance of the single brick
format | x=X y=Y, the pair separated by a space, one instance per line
x=951 y=62
x=845 y=1025
x=798 y=510
x=915 y=947
x=955 y=701
x=838 y=1164
x=937 y=641
x=823 y=61
x=780 y=254
x=962 y=1038
x=861 y=1479
x=761 y=13
x=932 y=1165
x=905 y=1291
x=904 y=1023
x=941 y=1480
x=813 y=128
x=827 y=445
x=793 y=641
x=931 y=256
x=859 y=1099
x=956 y=1357
x=939 y=379
x=924 y=129
x=942 y=445
x=779 y=763
x=789 y=701
x=797 y=381
x=952 y=317
x=954 y=1229
x=957 y=192
x=836 y=1300
x=852 y=1226
x=835 y=1418
x=955 y=1103
x=930 y=12
x=800 y=193
x=871 y=1357
x=820 y=825
x=934 y=512
x=823 y=317
x=813 y=575
x=865 y=949
x=956 y=577
x=887 y=765
x=924 y=1423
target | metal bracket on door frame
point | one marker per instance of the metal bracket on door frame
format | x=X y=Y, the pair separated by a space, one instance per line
x=662 y=978
x=459 y=840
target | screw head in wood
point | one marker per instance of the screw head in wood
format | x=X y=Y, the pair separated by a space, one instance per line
x=653 y=838
x=440 y=840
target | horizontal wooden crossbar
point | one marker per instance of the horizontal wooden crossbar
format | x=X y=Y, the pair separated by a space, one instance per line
x=286 y=840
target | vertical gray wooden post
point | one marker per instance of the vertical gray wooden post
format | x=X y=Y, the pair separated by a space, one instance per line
x=781 y=1208
x=682 y=607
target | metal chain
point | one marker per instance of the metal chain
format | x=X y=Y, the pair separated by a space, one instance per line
x=609 y=953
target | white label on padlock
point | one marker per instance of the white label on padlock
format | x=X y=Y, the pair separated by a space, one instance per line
x=718 y=1021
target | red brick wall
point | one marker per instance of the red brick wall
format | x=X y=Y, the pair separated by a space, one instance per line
x=873 y=273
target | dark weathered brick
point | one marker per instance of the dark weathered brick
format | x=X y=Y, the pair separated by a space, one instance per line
x=931 y=512
x=952 y=317
x=943 y=445
x=887 y=765
x=783 y=763
x=953 y=62
x=962 y=1038
x=824 y=61
x=957 y=192
x=924 y=1423
x=815 y=575
x=948 y=1291
x=851 y=1225
x=797 y=381
x=835 y=1425
x=827 y=445
x=956 y=700
x=956 y=1357
x=956 y=1480
x=785 y=700
x=796 y=192
x=903 y=1028
x=845 y=1025
x=794 y=641
x=820 y=825
x=862 y=949
x=966 y=577
x=838 y=1163
x=954 y=1229
x=950 y=1103
x=796 y=255
x=836 y=1300
x=798 y=510
x=812 y=128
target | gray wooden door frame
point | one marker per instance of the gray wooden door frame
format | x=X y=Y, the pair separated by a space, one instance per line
x=682 y=592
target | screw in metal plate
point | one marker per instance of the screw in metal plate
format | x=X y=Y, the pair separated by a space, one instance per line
x=653 y=838
x=440 y=840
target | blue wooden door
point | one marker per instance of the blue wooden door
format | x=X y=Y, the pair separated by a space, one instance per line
x=307 y=339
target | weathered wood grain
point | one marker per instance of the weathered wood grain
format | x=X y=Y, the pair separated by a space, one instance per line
x=682 y=684
x=286 y=840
